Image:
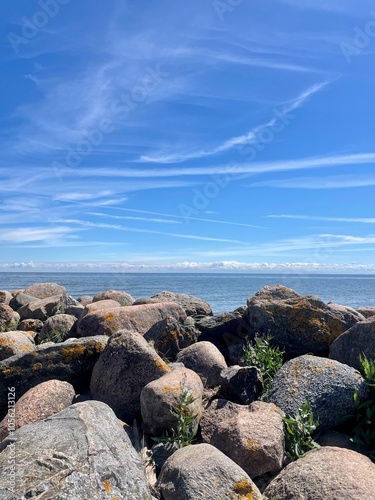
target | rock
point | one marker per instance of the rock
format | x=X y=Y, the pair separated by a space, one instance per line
x=135 y=318
x=21 y=299
x=202 y=472
x=45 y=308
x=193 y=306
x=81 y=452
x=161 y=452
x=169 y=336
x=85 y=299
x=101 y=305
x=327 y=473
x=14 y=322
x=298 y=324
x=5 y=297
x=359 y=339
x=206 y=360
x=71 y=361
x=241 y=384
x=38 y=403
x=338 y=439
x=224 y=330
x=367 y=312
x=127 y=364
x=145 y=300
x=75 y=310
x=45 y=290
x=252 y=436
x=164 y=393
x=328 y=385
x=6 y=317
x=57 y=328
x=31 y=325
x=122 y=297
x=16 y=342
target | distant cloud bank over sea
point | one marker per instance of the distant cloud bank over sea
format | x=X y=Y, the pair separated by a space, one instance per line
x=222 y=266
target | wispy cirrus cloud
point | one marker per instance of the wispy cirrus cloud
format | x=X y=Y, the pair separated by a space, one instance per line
x=248 y=138
x=323 y=182
x=362 y=220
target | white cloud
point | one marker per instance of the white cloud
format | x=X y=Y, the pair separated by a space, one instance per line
x=324 y=182
x=364 y=220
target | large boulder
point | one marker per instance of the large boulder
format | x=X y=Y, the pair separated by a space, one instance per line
x=21 y=299
x=5 y=297
x=327 y=473
x=16 y=342
x=38 y=403
x=169 y=336
x=127 y=364
x=81 y=452
x=367 y=312
x=31 y=325
x=328 y=385
x=298 y=324
x=252 y=436
x=71 y=361
x=193 y=306
x=160 y=396
x=206 y=360
x=201 y=471
x=57 y=328
x=45 y=308
x=241 y=384
x=45 y=290
x=6 y=317
x=135 y=318
x=358 y=340
x=122 y=297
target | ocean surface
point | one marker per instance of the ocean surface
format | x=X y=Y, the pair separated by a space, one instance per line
x=224 y=292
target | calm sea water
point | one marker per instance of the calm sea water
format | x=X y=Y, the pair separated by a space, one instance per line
x=224 y=292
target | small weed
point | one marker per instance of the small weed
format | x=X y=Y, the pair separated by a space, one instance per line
x=55 y=336
x=184 y=432
x=268 y=358
x=298 y=432
x=364 y=418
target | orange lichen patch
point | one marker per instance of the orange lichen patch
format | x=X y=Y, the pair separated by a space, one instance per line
x=163 y=366
x=107 y=486
x=172 y=388
x=244 y=490
x=37 y=366
x=252 y=445
x=74 y=351
x=109 y=317
x=11 y=370
x=6 y=342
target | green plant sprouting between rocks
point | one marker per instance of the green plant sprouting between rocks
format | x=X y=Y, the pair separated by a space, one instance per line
x=55 y=336
x=364 y=418
x=185 y=430
x=299 y=430
x=268 y=358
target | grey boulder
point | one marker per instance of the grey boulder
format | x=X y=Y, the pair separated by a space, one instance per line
x=193 y=306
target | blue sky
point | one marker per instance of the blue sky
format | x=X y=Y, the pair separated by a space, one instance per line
x=204 y=134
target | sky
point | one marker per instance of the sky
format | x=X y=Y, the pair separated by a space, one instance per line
x=209 y=134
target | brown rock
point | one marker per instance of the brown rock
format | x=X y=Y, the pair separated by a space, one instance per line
x=359 y=339
x=127 y=364
x=203 y=472
x=206 y=360
x=135 y=318
x=193 y=306
x=367 y=312
x=34 y=325
x=45 y=308
x=123 y=298
x=327 y=473
x=5 y=297
x=164 y=393
x=252 y=436
x=45 y=290
x=16 y=342
x=6 y=317
x=38 y=403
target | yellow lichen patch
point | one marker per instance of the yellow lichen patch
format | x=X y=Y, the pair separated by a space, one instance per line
x=107 y=486
x=11 y=370
x=74 y=351
x=109 y=317
x=252 y=445
x=244 y=490
x=37 y=366
x=163 y=366
x=172 y=388
x=27 y=348
x=6 y=342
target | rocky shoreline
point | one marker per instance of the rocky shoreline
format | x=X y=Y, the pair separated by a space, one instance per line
x=100 y=397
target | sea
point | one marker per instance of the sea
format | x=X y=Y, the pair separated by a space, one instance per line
x=223 y=291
